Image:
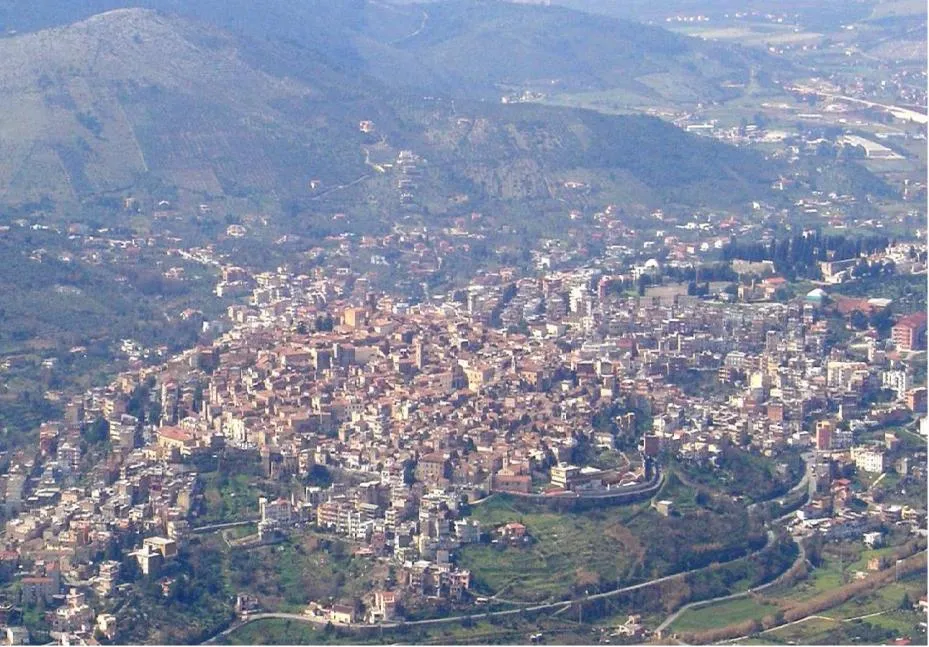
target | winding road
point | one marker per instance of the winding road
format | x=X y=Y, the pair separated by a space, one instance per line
x=550 y=606
x=702 y=603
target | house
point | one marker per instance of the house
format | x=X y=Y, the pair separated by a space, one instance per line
x=877 y=563
x=665 y=508
x=17 y=636
x=873 y=539
x=512 y=531
x=106 y=624
x=385 y=607
x=431 y=468
x=175 y=440
x=632 y=628
x=38 y=588
x=166 y=547
x=343 y=614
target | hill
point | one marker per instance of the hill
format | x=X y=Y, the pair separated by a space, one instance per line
x=460 y=47
x=130 y=95
x=132 y=99
x=485 y=46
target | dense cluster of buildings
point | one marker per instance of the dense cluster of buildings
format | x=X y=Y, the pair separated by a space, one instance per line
x=508 y=385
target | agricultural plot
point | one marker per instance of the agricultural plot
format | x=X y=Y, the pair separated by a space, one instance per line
x=566 y=552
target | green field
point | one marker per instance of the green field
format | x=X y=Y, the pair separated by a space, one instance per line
x=723 y=613
x=884 y=599
x=230 y=497
x=280 y=632
x=287 y=576
x=473 y=631
x=872 y=617
x=567 y=551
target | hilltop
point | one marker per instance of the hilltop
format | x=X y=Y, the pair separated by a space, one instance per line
x=130 y=95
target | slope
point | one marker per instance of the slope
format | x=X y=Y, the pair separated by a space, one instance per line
x=97 y=106
x=482 y=46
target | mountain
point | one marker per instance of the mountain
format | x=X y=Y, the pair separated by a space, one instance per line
x=102 y=104
x=461 y=47
x=133 y=98
x=483 y=46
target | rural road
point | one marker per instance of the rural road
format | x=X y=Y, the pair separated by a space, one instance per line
x=702 y=603
x=550 y=606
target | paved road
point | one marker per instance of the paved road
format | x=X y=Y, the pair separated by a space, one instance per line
x=223 y=526
x=897 y=111
x=550 y=606
x=702 y=603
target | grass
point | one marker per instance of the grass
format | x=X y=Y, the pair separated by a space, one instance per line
x=230 y=498
x=885 y=598
x=801 y=633
x=832 y=624
x=567 y=550
x=287 y=576
x=278 y=632
x=479 y=631
x=723 y=613
x=238 y=532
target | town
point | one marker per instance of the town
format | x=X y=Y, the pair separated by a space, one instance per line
x=397 y=419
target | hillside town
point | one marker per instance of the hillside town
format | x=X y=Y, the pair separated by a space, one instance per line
x=413 y=412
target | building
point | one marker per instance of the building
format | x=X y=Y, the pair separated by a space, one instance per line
x=431 y=468
x=512 y=531
x=664 y=507
x=166 y=547
x=384 y=608
x=824 y=431
x=869 y=460
x=38 y=588
x=342 y=614
x=916 y=400
x=570 y=477
x=107 y=578
x=175 y=439
x=468 y=531
x=278 y=511
x=910 y=332
x=873 y=539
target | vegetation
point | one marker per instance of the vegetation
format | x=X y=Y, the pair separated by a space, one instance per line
x=797 y=256
x=567 y=554
x=739 y=473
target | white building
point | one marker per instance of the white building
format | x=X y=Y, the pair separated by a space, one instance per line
x=869 y=460
x=897 y=381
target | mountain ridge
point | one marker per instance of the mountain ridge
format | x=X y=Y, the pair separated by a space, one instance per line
x=135 y=97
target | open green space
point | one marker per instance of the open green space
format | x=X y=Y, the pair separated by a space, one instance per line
x=230 y=497
x=286 y=577
x=473 y=630
x=723 y=613
x=570 y=553
x=886 y=598
x=567 y=552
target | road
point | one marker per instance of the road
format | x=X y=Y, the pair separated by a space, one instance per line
x=339 y=187
x=897 y=111
x=702 y=603
x=223 y=526
x=812 y=617
x=550 y=606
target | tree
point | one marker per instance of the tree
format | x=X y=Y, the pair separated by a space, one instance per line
x=97 y=432
x=906 y=604
x=858 y=320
